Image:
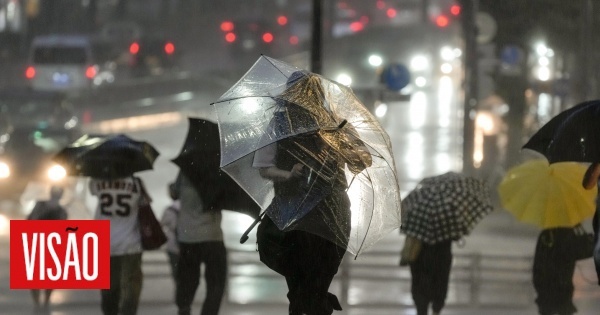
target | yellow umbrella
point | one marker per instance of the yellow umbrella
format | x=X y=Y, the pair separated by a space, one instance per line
x=547 y=195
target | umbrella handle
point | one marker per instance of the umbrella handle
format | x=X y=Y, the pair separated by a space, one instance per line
x=244 y=237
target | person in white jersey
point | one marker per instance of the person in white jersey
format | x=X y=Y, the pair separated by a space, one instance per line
x=200 y=240
x=118 y=201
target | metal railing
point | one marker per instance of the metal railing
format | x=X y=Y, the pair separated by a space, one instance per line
x=476 y=280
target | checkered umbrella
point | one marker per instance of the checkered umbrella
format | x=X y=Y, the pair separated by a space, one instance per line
x=444 y=207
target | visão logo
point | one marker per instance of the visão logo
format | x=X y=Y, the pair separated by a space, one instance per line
x=59 y=254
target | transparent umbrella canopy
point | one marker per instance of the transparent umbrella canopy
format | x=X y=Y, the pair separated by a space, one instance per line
x=322 y=125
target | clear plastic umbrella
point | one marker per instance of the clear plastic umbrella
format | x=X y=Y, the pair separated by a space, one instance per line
x=322 y=125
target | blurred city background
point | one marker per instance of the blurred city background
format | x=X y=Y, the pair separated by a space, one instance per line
x=459 y=85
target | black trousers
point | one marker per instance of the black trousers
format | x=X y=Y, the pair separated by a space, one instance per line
x=214 y=257
x=126 y=280
x=315 y=263
x=430 y=274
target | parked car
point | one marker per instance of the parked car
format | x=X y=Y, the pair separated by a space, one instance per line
x=71 y=63
x=35 y=125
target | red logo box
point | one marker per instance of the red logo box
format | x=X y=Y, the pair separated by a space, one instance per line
x=59 y=254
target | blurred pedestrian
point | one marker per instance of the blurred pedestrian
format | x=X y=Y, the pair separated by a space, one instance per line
x=47 y=210
x=169 y=223
x=556 y=253
x=430 y=266
x=200 y=240
x=119 y=201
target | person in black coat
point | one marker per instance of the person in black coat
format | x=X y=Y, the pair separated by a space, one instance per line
x=308 y=177
x=308 y=261
x=430 y=274
x=591 y=181
x=556 y=253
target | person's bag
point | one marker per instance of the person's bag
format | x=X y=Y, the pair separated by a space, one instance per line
x=583 y=245
x=152 y=234
x=410 y=251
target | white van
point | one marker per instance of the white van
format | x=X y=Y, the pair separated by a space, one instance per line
x=66 y=63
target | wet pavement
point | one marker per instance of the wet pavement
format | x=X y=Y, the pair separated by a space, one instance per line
x=491 y=275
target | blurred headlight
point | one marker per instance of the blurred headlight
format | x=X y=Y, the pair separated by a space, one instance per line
x=56 y=173
x=4 y=170
x=344 y=79
x=419 y=63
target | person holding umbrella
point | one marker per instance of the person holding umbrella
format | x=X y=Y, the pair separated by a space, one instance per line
x=308 y=177
x=574 y=135
x=310 y=154
x=200 y=239
x=556 y=252
x=203 y=191
x=251 y=117
x=430 y=274
x=111 y=161
x=119 y=201
x=551 y=197
x=440 y=210
x=591 y=180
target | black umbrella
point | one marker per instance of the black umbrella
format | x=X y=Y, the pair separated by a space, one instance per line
x=572 y=135
x=106 y=156
x=199 y=161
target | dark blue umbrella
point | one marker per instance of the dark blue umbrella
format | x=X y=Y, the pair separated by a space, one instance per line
x=572 y=135
x=106 y=156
